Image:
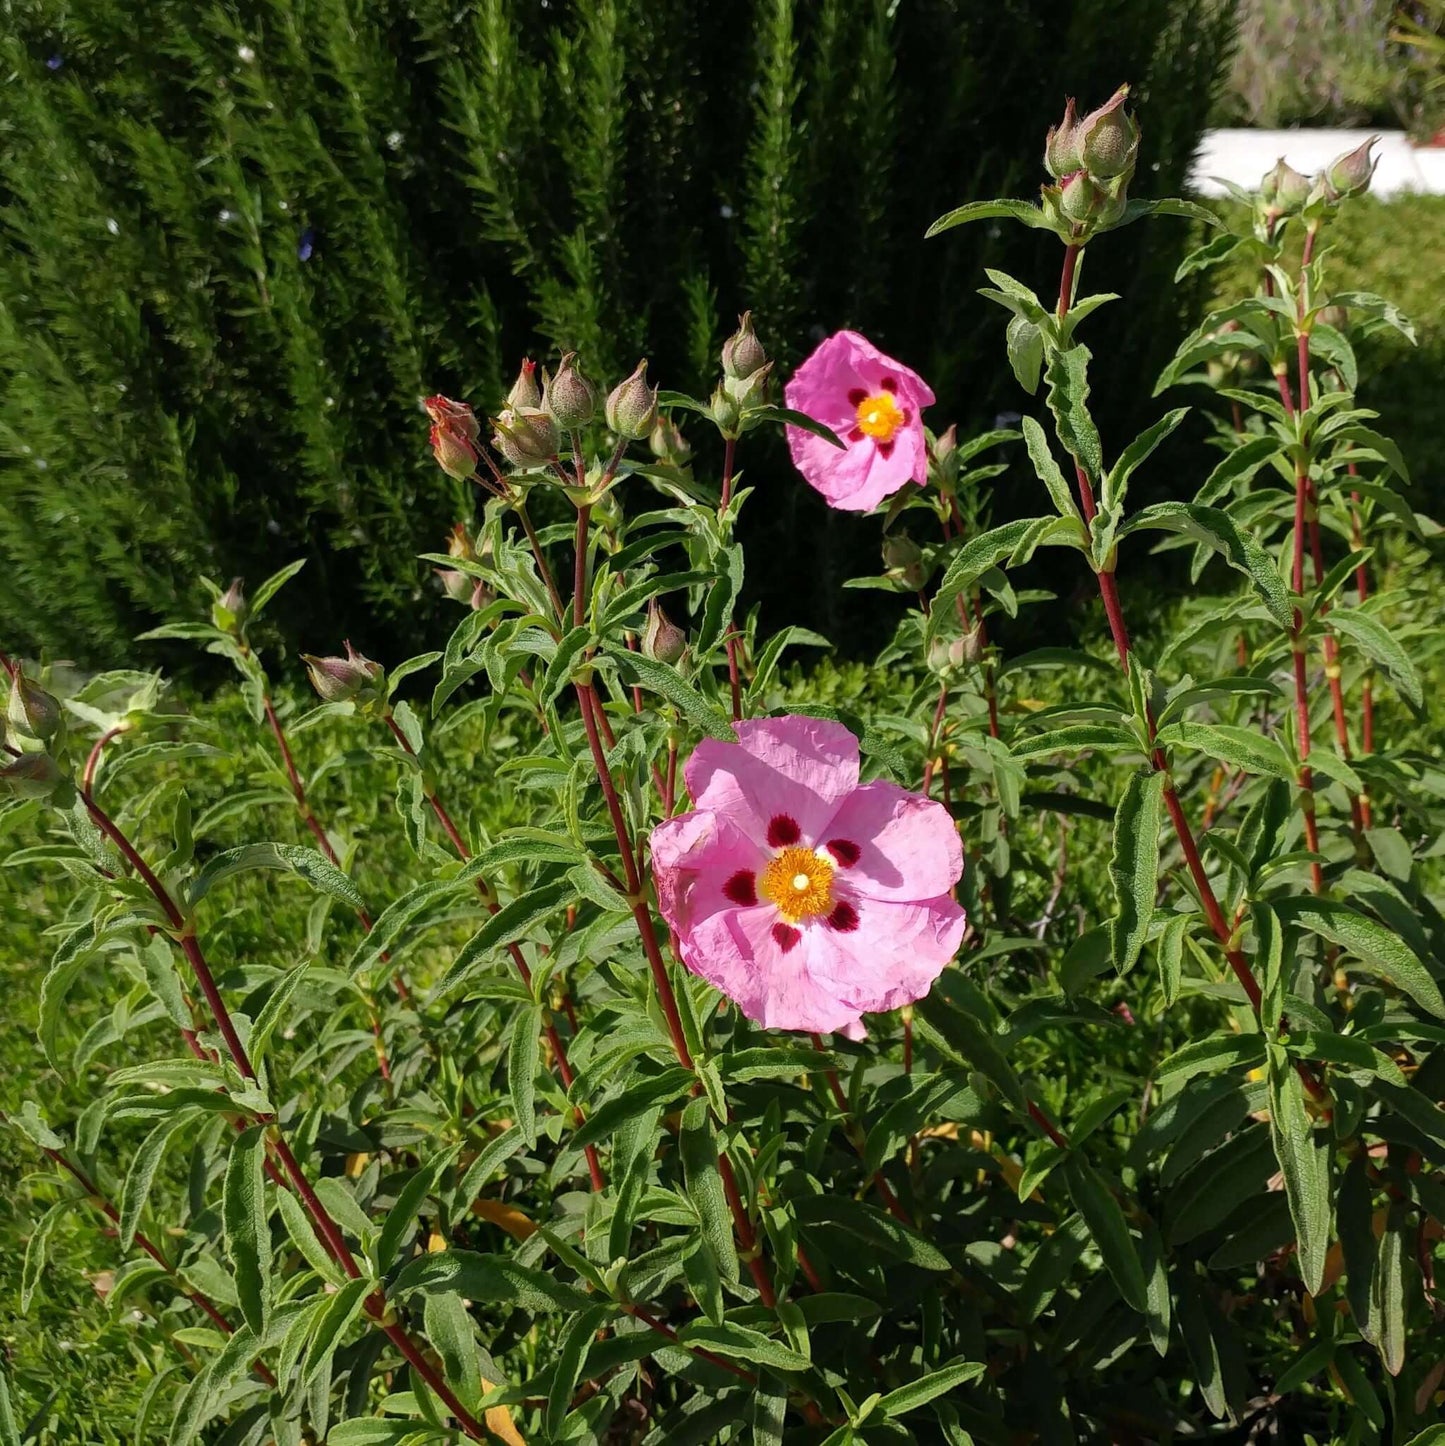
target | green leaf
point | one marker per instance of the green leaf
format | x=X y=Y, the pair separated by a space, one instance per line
x=1380 y=950
x=559 y=670
x=1000 y=210
x=1074 y=739
x=1116 y=484
x=1305 y=1164
x=1381 y=646
x=869 y=1229
x=1168 y=206
x=660 y=1089
x=1211 y=1055
x=928 y=1388
x=1101 y=1212
x=1239 y=466
x=1239 y=747
x=509 y=924
x=523 y=1053
x=698 y=1146
x=36 y=1249
x=744 y=1344
x=142 y=1173
x=449 y=1328
x=9 y=1430
x=1387 y=1326
x=664 y=680
x=960 y=1036
x=1217 y=530
x=307 y=864
x=577 y=1341
x=1048 y=469
x=788 y=417
x=970 y=563
x=1134 y=867
x=69 y=959
x=273 y=585
x=248 y=1237
x=398 y=1222
x=488 y=1278
x=1068 y=379
x=1025 y=345
x=332 y=1325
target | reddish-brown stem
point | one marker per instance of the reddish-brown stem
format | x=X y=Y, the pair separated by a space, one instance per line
x=855 y=1137
x=1113 y=610
x=989 y=692
x=1047 y=1126
x=579 y=577
x=327 y=1231
x=748 y=1246
x=731 y=641
x=549 y=1030
x=92 y=762
x=540 y=558
x=908 y=1041
x=667 y=1333
x=1066 y=279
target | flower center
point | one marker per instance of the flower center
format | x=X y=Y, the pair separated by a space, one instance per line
x=880 y=416
x=799 y=882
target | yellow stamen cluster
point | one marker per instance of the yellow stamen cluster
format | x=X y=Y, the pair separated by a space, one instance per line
x=880 y=416
x=799 y=882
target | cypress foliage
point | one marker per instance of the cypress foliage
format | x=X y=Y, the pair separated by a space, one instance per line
x=241 y=242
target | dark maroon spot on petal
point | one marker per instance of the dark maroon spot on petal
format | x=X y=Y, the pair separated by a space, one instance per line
x=845 y=852
x=844 y=918
x=857 y=397
x=907 y=416
x=786 y=937
x=856 y=435
x=889 y=384
x=742 y=889
x=783 y=831
x=885 y=450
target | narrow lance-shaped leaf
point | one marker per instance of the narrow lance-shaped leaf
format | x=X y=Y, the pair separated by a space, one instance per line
x=1101 y=1212
x=1304 y=1163
x=248 y=1237
x=1134 y=866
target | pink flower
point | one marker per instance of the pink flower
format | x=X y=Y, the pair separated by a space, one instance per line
x=807 y=899
x=873 y=403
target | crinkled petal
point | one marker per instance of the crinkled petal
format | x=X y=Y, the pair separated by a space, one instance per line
x=897 y=951
x=693 y=858
x=797 y=767
x=908 y=845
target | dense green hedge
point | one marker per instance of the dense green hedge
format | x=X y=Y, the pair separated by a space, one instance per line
x=241 y=242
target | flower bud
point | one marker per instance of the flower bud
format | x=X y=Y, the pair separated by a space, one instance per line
x=751 y=390
x=569 y=397
x=1335 y=316
x=1350 y=174
x=742 y=352
x=456 y=456
x=1283 y=189
x=31 y=711
x=31 y=775
x=229 y=611
x=525 y=391
x=456 y=585
x=1061 y=148
x=526 y=436
x=945 y=444
x=460 y=544
x=725 y=411
x=457 y=417
x=903 y=559
x=662 y=640
x=668 y=443
x=1082 y=199
x=1108 y=139
x=354 y=678
x=632 y=406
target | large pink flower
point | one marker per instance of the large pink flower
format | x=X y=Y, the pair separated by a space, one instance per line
x=873 y=403
x=805 y=898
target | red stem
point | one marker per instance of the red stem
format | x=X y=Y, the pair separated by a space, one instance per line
x=327 y=1231
x=87 y=781
x=729 y=450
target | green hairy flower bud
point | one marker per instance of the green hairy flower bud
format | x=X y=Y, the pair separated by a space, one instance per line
x=903 y=560
x=1283 y=190
x=352 y=679
x=742 y=352
x=662 y=640
x=526 y=436
x=1082 y=199
x=229 y=611
x=31 y=775
x=32 y=712
x=1061 y=147
x=1351 y=173
x=525 y=391
x=667 y=442
x=569 y=398
x=1108 y=139
x=632 y=406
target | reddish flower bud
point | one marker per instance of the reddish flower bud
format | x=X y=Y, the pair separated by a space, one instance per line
x=1061 y=147
x=526 y=436
x=668 y=443
x=525 y=391
x=31 y=711
x=1109 y=139
x=1283 y=190
x=569 y=397
x=31 y=775
x=229 y=611
x=457 y=416
x=1350 y=174
x=460 y=544
x=662 y=640
x=354 y=678
x=742 y=352
x=632 y=406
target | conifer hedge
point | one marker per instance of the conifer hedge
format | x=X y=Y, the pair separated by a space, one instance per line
x=241 y=241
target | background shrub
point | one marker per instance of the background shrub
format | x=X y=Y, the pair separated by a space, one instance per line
x=240 y=243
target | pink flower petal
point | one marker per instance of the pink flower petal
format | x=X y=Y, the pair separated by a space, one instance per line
x=897 y=951
x=908 y=846
x=693 y=859
x=791 y=767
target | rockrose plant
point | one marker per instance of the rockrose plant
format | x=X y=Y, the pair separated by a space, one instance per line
x=696 y=1046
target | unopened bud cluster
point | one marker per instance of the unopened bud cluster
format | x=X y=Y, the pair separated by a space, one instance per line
x=662 y=640
x=34 y=727
x=631 y=408
x=1284 y=192
x=1092 y=162
x=746 y=373
x=462 y=587
x=454 y=434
